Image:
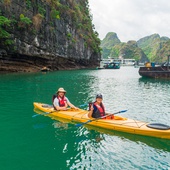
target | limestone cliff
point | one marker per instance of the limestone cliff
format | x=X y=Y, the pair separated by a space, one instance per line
x=153 y=45
x=57 y=34
x=113 y=47
x=108 y=42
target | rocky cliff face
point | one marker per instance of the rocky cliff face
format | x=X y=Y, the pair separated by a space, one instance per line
x=57 y=34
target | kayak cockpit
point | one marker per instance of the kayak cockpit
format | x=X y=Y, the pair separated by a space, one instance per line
x=158 y=126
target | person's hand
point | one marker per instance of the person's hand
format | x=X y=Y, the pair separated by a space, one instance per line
x=65 y=108
x=76 y=108
x=91 y=108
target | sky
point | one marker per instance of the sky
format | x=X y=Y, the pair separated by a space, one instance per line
x=131 y=19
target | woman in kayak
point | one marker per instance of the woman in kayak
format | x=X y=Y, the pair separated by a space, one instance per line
x=60 y=101
x=97 y=108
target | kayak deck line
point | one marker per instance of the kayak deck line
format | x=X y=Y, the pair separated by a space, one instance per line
x=139 y=126
x=119 y=123
x=125 y=124
x=79 y=113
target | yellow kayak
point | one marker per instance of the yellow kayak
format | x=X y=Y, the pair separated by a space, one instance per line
x=118 y=123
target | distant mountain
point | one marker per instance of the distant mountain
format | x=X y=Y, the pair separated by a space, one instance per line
x=113 y=47
x=151 y=45
x=163 y=52
x=150 y=48
x=131 y=50
x=108 y=42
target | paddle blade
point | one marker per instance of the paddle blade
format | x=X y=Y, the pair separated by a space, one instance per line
x=41 y=114
x=35 y=115
x=81 y=124
x=78 y=125
x=123 y=111
x=85 y=104
x=82 y=105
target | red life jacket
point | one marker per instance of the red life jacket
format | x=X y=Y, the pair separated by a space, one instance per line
x=62 y=101
x=100 y=109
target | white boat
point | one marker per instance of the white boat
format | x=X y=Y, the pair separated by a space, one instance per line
x=122 y=62
x=112 y=63
x=128 y=62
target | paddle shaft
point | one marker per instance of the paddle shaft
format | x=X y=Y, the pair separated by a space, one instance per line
x=44 y=113
x=100 y=118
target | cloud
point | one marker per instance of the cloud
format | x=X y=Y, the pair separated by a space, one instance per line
x=131 y=19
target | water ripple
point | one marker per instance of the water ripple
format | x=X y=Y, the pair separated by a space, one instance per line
x=49 y=144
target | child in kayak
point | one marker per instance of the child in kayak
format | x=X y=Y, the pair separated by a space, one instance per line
x=97 y=108
x=60 y=101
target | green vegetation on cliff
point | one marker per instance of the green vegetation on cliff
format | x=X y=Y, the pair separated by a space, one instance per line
x=4 y=35
x=163 y=52
x=108 y=42
x=129 y=50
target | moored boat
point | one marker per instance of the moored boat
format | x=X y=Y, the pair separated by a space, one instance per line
x=153 y=71
x=112 y=65
x=109 y=63
x=119 y=123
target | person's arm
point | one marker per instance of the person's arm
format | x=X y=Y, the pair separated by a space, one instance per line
x=61 y=108
x=71 y=105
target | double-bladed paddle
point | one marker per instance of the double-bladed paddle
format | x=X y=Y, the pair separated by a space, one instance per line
x=44 y=113
x=81 y=124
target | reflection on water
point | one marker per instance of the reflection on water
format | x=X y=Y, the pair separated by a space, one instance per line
x=155 y=82
x=96 y=134
x=93 y=144
x=60 y=125
x=162 y=144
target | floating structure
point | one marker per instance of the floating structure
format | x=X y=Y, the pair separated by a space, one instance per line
x=152 y=71
x=45 y=69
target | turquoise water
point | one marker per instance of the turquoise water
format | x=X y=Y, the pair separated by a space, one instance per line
x=41 y=143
